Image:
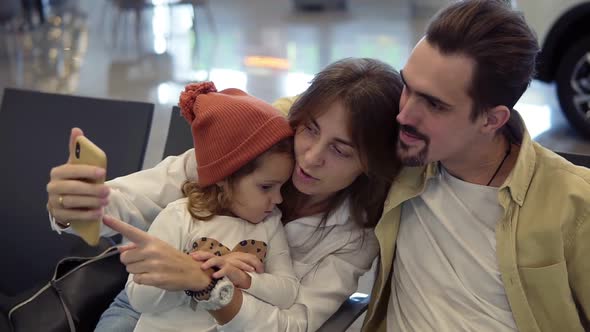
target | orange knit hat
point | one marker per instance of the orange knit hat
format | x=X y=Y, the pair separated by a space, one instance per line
x=230 y=128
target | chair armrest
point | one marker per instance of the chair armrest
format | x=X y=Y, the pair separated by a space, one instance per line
x=348 y=312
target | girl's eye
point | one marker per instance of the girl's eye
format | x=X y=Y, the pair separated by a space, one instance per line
x=310 y=129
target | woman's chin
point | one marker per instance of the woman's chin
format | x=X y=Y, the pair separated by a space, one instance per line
x=302 y=188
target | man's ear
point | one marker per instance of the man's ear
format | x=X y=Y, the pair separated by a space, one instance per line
x=495 y=118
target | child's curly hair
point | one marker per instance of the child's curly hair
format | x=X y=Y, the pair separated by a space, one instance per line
x=206 y=202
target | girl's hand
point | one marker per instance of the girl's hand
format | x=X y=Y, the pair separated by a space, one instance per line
x=237 y=276
x=243 y=261
x=227 y=266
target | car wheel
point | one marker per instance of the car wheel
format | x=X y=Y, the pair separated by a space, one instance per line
x=573 y=85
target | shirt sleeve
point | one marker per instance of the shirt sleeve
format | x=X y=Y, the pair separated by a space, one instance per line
x=278 y=285
x=169 y=226
x=321 y=293
x=139 y=197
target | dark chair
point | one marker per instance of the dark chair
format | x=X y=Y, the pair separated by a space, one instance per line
x=34 y=134
x=4 y=324
x=180 y=137
x=577 y=159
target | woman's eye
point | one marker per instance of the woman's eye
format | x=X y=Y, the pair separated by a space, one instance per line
x=266 y=187
x=340 y=152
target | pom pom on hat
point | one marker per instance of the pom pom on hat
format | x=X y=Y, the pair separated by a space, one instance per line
x=189 y=96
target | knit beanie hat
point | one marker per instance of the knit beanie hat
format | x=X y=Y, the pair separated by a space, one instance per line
x=230 y=128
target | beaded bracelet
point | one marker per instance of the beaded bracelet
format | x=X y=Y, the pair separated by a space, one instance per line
x=201 y=294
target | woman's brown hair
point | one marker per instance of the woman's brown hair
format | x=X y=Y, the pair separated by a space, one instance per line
x=206 y=202
x=370 y=91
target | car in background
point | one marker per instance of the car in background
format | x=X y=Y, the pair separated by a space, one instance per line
x=563 y=30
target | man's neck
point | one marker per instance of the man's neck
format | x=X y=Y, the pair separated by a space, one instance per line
x=480 y=162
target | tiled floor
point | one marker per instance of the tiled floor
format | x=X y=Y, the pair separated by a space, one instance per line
x=263 y=46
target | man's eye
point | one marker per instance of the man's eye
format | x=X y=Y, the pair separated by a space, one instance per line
x=435 y=105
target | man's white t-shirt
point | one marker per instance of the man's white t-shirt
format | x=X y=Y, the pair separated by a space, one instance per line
x=446 y=275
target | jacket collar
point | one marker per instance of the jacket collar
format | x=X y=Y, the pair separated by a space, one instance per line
x=519 y=180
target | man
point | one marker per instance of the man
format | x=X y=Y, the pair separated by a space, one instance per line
x=486 y=230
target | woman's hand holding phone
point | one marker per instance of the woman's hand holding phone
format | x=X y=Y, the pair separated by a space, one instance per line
x=76 y=192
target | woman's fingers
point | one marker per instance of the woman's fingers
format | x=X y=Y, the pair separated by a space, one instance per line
x=151 y=279
x=126 y=247
x=76 y=214
x=154 y=262
x=78 y=172
x=132 y=256
x=214 y=261
x=221 y=273
x=78 y=188
x=221 y=262
x=72 y=193
x=77 y=202
x=228 y=270
x=140 y=238
x=69 y=198
x=141 y=267
x=74 y=133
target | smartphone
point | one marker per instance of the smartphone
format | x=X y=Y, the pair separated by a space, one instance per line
x=87 y=153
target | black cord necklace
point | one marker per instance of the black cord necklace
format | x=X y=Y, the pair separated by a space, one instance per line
x=502 y=163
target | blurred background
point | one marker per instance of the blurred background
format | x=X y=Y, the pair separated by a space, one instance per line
x=143 y=50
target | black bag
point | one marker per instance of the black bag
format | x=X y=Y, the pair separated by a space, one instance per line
x=81 y=289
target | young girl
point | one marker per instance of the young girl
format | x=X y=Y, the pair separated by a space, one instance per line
x=244 y=153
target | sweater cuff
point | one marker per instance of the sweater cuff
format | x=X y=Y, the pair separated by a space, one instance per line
x=54 y=225
x=256 y=287
x=244 y=316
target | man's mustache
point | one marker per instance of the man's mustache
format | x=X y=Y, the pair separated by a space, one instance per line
x=413 y=132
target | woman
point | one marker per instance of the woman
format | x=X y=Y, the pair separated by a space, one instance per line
x=345 y=139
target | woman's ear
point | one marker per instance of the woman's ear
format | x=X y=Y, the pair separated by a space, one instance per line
x=495 y=118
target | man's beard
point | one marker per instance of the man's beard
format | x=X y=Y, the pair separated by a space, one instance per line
x=418 y=158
